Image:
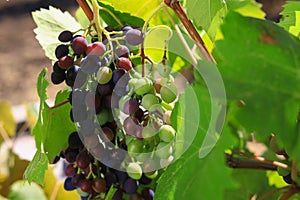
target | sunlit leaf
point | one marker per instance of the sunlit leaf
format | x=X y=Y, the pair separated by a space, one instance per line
x=7 y=119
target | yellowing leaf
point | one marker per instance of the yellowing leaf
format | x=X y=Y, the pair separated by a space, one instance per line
x=7 y=118
x=155 y=42
x=252 y=9
x=295 y=30
x=31 y=115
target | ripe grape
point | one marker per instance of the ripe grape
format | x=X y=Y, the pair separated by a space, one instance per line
x=130 y=125
x=122 y=176
x=117 y=74
x=168 y=92
x=68 y=185
x=118 y=195
x=78 y=113
x=96 y=48
x=126 y=28
x=134 y=37
x=104 y=75
x=57 y=78
x=86 y=185
x=129 y=106
x=71 y=74
x=105 y=89
x=65 y=36
x=77 y=179
x=99 y=185
x=77 y=97
x=145 y=180
x=74 y=141
x=61 y=51
x=134 y=171
x=147 y=194
x=79 y=45
x=83 y=159
x=58 y=70
x=71 y=154
x=65 y=62
x=288 y=179
x=110 y=178
x=122 y=51
x=124 y=63
x=91 y=140
x=130 y=186
x=90 y=64
x=107 y=134
x=70 y=170
x=166 y=133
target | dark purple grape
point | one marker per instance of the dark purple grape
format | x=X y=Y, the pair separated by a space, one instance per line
x=84 y=197
x=107 y=134
x=70 y=170
x=87 y=127
x=288 y=179
x=65 y=62
x=86 y=185
x=65 y=36
x=92 y=100
x=58 y=70
x=130 y=125
x=122 y=51
x=147 y=194
x=99 y=185
x=91 y=64
x=139 y=114
x=105 y=89
x=55 y=160
x=83 y=159
x=78 y=113
x=79 y=45
x=68 y=185
x=118 y=195
x=71 y=155
x=76 y=179
x=110 y=178
x=130 y=186
x=61 y=51
x=126 y=28
x=136 y=196
x=122 y=176
x=130 y=106
x=77 y=97
x=57 y=78
x=72 y=73
x=145 y=180
x=134 y=37
x=117 y=74
x=74 y=141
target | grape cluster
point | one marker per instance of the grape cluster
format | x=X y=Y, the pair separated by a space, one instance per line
x=122 y=111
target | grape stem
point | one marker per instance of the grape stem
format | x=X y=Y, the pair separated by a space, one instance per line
x=291 y=192
x=177 y=8
x=60 y=104
x=268 y=194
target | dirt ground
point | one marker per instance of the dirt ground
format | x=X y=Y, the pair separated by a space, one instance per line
x=21 y=56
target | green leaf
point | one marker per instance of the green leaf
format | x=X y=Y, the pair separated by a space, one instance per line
x=25 y=191
x=37 y=168
x=203 y=12
x=288 y=18
x=260 y=66
x=50 y=23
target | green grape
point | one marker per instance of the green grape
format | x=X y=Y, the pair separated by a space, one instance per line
x=149 y=132
x=135 y=146
x=166 y=133
x=148 y=100
x=163 y=70
x=143 y=86
x=134 y=171
x=168 y=92
x=164 y=150
x=151 y=175
x=165 y=162
x=156 y=108
x=104 y=75
x=165 y=80
x=103 y=116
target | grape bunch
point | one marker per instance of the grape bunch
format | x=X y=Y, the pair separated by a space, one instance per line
x=122 y=109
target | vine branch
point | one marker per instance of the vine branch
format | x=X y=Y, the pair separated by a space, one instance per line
x=177 y=8
x=86 y=9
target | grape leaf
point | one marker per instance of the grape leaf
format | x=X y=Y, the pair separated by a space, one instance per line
x=288 y=18
x=26 y=191
x=264 y=74
x=203 y=12
x=127 y=18
x=50 y=23
x=7 y=119
x=37 y=168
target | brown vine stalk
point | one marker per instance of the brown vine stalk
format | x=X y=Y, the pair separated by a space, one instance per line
x=86 y=9
x=192 y=31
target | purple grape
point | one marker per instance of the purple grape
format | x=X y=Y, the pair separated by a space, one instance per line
x=83 y=159
x=118 y=195
x=86 y=185
x=110 y=179
x=79 y=45
x=61 y=51
x=77 y=179
x=65 y=36
x=134 y=37
x=122 y=51
x=70 y=170
x=105 y=89
x=148 y=194
x=130 y=106
x=68 y=185
x=74 y=141
x=71 y=154
x=65 y=62
x=130 y=186
x=58 y=70
x=117 y=74
x=57 y=78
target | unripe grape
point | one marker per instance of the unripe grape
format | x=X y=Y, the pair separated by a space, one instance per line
x=148 y=100
x=104 y=75
x=149 y=131
x=134 y=171
x=166 y=133
x=164 y=150
x=143 y=86
x=135 y=146
x=168 y=92
x=163 y=70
